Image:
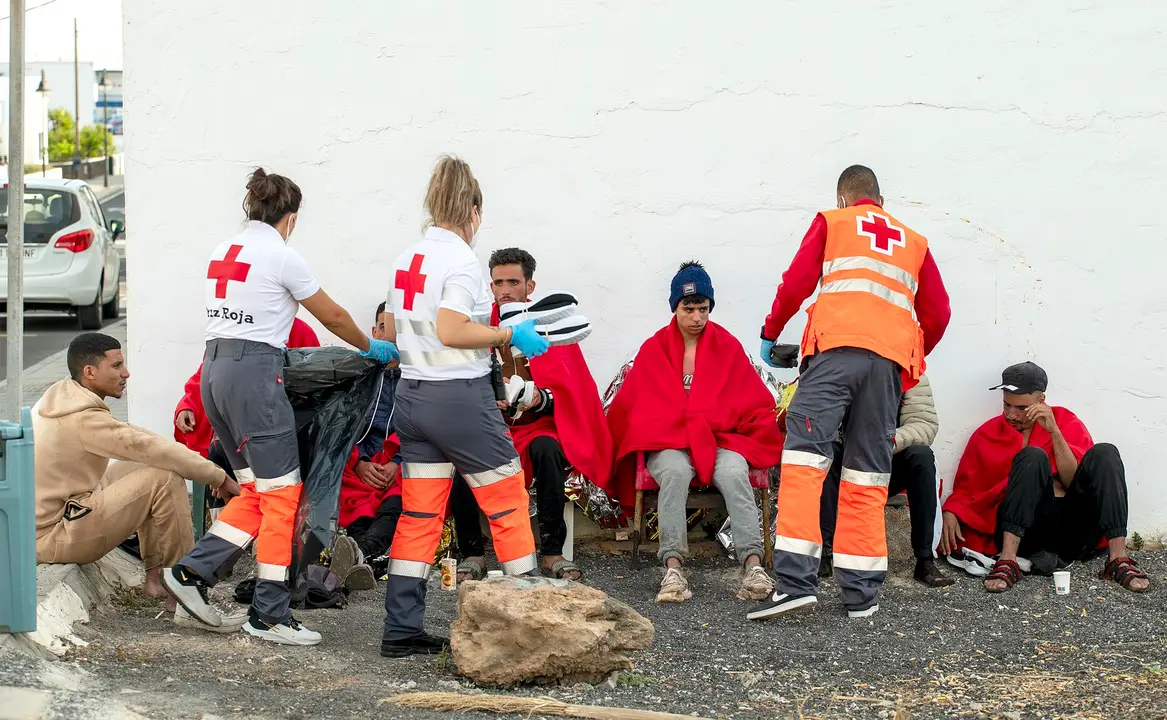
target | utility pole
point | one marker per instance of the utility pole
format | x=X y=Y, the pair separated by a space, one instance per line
x=15 y=389
x=105 y=126
x=76 y=106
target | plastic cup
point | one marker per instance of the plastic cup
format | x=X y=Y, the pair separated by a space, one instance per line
x=1062 y=582
x=449 y=568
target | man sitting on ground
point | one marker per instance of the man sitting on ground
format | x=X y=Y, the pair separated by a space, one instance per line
x=1033 y=483
x=694 y=404
x=370 y=495
x=85 y=506
x=557 y=425
x=191 y=427
x=913 y=469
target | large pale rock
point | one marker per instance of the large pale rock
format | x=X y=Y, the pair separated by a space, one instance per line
x=513 y=630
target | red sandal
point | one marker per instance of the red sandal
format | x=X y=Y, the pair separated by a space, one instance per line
x=1123 y=570
x=1008 y=571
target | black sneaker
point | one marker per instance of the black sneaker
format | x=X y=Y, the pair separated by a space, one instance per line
x=191 y=593
x=424 y=644
x=927 y=573
x=779 y=603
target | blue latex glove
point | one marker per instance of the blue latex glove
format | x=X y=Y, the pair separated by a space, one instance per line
x=382 y=351
x=529 y=342
x=767 y=346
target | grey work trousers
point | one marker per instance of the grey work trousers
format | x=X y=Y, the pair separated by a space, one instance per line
x=673 y=472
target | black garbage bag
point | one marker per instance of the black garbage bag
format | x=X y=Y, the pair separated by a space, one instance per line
x=331 y=390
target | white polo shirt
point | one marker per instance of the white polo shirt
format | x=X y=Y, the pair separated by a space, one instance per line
x=255 y=283
x=441 y=271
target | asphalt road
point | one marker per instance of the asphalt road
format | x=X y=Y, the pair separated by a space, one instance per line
x=48 y=332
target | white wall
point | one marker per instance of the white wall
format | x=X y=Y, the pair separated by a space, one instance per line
x=615 y=140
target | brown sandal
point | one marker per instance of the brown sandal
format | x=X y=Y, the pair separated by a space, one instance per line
x=1008 y=571
x=1123 y=571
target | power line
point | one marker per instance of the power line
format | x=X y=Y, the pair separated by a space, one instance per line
x=34 y=7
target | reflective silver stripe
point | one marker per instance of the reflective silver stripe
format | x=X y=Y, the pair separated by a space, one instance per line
x=858 y=262
x=490 y=477
x=231 y=534
x=864 y=563
x=428 y=471
x=245 y=476
x=867 y=479
x=448 y=356
x=457 y=296
x=266 y=571
x=882 y=292
x=798 y=457
x=416 y=327
x=409 y=568
x=520 y=566
x=283 y=481
x=798 y=547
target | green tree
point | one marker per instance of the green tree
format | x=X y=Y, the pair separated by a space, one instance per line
x=95 y=139
x=60 y=135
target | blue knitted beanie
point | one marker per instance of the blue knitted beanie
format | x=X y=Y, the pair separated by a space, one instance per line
x=691 y=279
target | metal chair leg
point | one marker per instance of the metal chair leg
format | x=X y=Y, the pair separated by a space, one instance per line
x=198 y=510
x=637 y=528
x=767 y=531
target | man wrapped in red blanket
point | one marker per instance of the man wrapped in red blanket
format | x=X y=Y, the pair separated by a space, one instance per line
x=1032 y=483
x=560 y=427
x=191 y=427
x=695 y=406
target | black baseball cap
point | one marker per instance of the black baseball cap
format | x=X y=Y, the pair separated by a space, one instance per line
x=1022 y=379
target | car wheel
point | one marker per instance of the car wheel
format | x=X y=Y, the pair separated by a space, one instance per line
x=112 y=310
x=89 y=316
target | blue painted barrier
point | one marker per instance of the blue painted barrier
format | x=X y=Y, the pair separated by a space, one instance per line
x=17 y=527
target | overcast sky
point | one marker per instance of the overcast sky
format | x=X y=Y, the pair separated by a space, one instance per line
x=49 y=31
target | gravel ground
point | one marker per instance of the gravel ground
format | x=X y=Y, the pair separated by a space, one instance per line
x=1100 y=652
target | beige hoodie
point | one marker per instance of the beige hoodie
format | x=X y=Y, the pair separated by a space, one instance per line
x=74 y=437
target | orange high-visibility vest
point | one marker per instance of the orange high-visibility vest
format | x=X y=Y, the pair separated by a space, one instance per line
x=871 y=268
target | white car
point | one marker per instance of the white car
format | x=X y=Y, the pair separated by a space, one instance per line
x=70 y=261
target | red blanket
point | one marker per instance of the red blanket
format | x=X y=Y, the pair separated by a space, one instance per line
x=302 y=336
x=983 y=472
x=358 y=500
x=577 y=421
x=728 y=406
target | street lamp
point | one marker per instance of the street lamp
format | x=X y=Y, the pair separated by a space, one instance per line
x=43 y=91
x=105 y=126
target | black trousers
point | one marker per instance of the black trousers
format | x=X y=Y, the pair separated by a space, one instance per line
x=912 y=469
x=549 y=465
x=1071 y=526
x=374 y=534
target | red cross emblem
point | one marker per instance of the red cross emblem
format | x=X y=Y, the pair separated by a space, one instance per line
x=227 y=269
x=412 y=282
x=884 y=236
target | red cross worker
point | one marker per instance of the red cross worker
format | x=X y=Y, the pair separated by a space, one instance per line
x=255 y=284
x=881 y=308
x=438 y=313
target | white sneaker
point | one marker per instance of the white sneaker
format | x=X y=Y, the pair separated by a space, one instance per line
x=865 y=612
x=756 y=584
x=232 y=621
x=191 y=593
x=286 y=633
x=674 y=588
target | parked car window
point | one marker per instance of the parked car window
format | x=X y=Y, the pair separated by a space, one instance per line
x=98 y=213
x=47 y=211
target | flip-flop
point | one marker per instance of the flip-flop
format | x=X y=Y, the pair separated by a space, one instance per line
x=561 y=568
x=468 y=567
